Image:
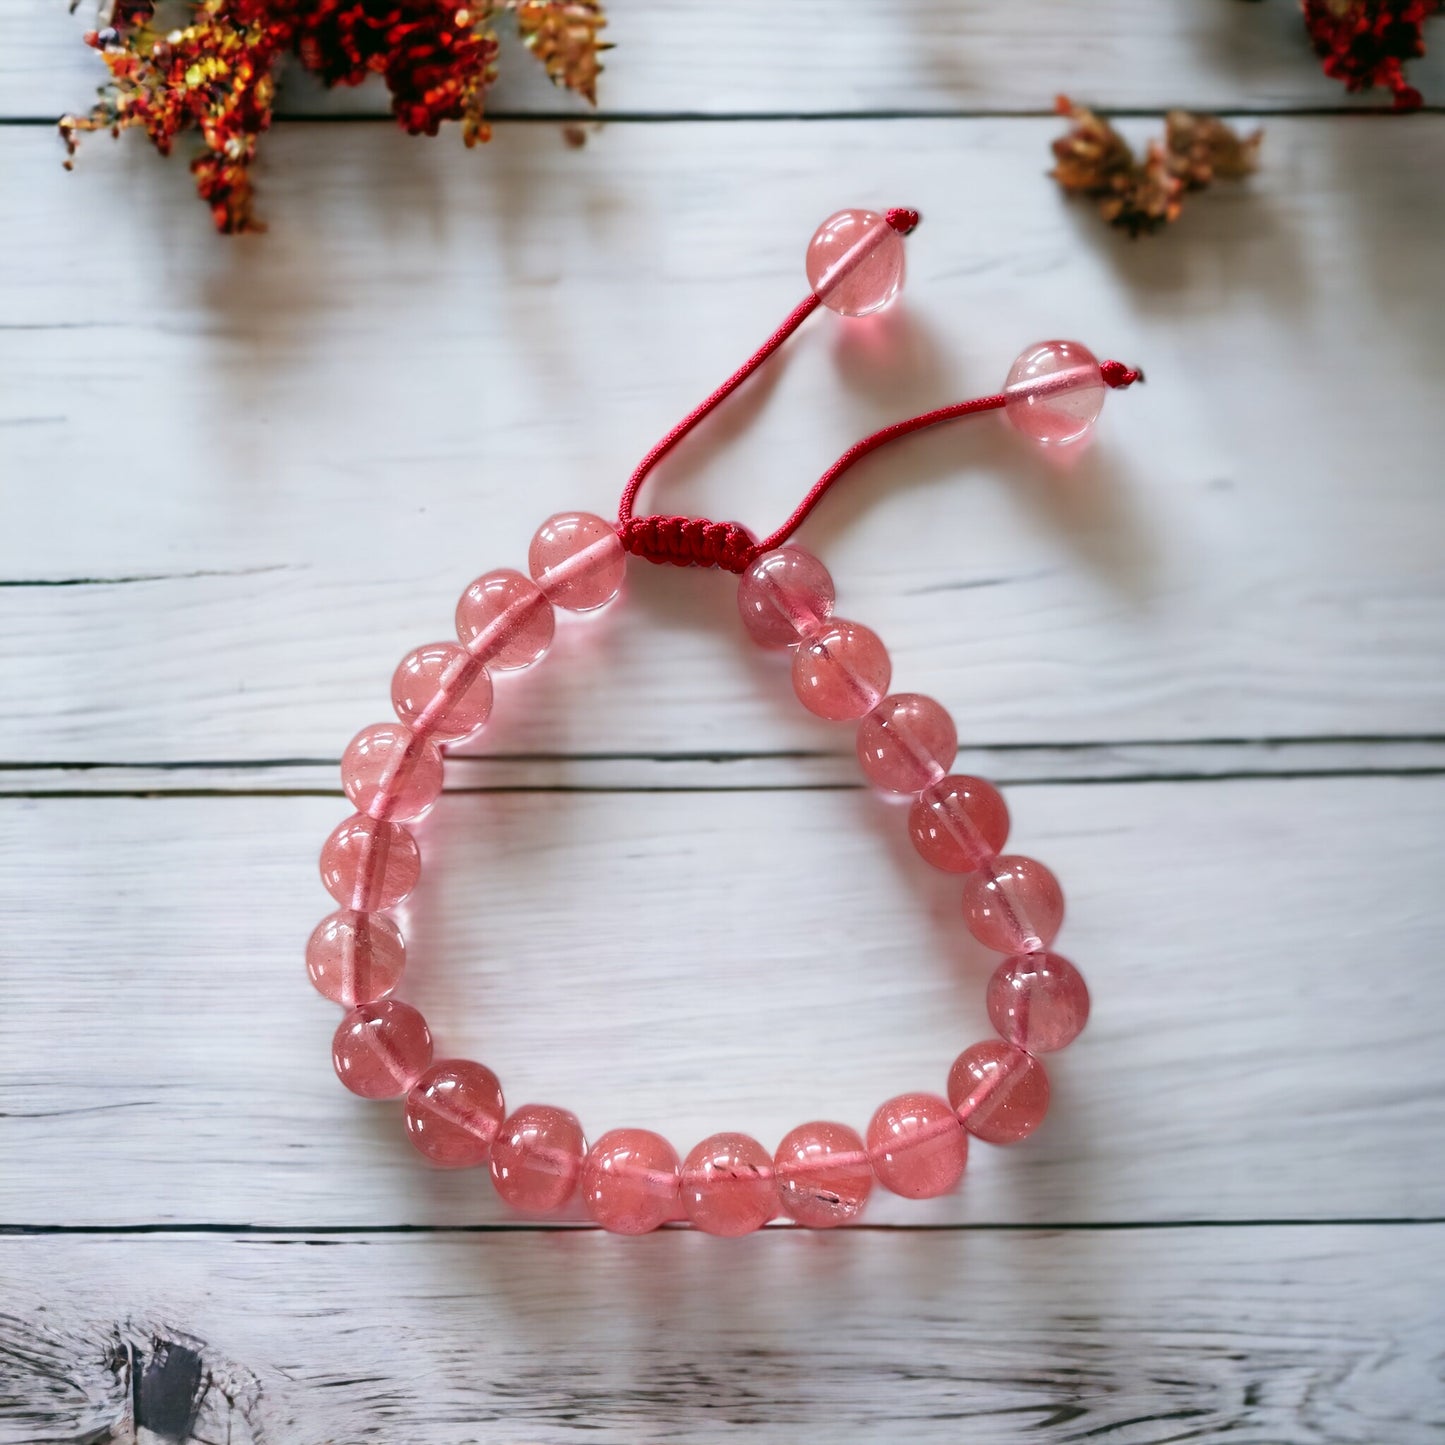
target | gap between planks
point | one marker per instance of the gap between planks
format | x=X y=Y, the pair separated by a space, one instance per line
x=1011 y=764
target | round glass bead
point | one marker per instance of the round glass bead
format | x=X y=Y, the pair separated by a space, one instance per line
x=453 y=1113
x=505 y=621
x=785 y=596
x=629 y=1181
x=1055 y=392
x=381 y=1049
x=1013 y=905
x=841 y=672
x=855 y=262
x=367 y=864
x=537 y=1158
x=442 y=691
x=917 y=1146
x=578 y=560
x=958 y=823
x=823 y=1174
x=388 y=771
x=1038 y=1001
x=907 y=742
x=355 y=957
x=728 y=1186
x=1000 y=1092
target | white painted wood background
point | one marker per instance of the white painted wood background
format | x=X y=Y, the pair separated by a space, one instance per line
x=239 y=478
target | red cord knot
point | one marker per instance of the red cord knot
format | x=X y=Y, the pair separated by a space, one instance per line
x=689 y=542
x=902 y=219
x=1116 y=374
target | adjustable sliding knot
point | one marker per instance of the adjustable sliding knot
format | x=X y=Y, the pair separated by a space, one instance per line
x=1117 y=375
x=689 y=541
x=902 y=219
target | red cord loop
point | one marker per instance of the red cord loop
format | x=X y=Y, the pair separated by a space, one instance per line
x=698 y=542
x=689 y=542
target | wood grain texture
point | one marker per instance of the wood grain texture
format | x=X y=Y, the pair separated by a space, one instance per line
x=238 y=480
x=1266 y=1027
x=804 y=57
x=1310 y=1336
x=327 y=434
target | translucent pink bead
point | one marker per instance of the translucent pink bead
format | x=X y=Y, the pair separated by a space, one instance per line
x=505 y=621
x=784 y=596
x=841 y=672
x=855 y=262
x=1038 y=1001
x=907 y=742
x=442 y=691
x=728 y=1186
x=1013 y=905
x=1055 y=392
x=537 y=1158
x=577 y=560
x=824 y=1177
x=629 y=1181
x=959 y=823
x=367 y=864
x=453 y=1113
x=381 y=1049
x=390 y=772
x=917 y=1146
x=1000 y=1092
x=355 y=957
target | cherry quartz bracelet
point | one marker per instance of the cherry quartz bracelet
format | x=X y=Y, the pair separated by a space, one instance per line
x=631 y=1180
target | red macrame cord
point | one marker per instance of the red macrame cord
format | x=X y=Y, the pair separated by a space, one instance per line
x=687 y=541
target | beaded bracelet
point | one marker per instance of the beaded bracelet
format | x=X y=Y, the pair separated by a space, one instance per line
x=631 y=1180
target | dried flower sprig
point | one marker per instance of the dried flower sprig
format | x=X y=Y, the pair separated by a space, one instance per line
x=217 y=74
x=1140 y=196
x=1365 y=43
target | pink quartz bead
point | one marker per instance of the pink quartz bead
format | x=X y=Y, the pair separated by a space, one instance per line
x=505 y=620
x=841 y=672
x=855 y=262
x=917 y=1146
x=728 y=1186
x=355 y=957
x=453 y=1113
x=578 y=560
x=1055 y=392
x=824 y=1177
x=1000 y=1092
x=442 y=691
x=1013 y=905
x=629 y=1181
x=785 y=596
x=907 y=742
x=537 y=1158
x=381 y=1049
x=1038 y=1001
x=367 y=864
x=389 y=771
x=958 y=823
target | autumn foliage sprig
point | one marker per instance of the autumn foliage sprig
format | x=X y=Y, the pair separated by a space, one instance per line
x=216 y=75
x=1365 y=43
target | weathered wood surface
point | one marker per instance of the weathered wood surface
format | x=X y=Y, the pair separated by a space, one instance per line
x=1265 y=1041
x=806 y=57
x=243 y=479
x=239 y=479
x=1317 y=1335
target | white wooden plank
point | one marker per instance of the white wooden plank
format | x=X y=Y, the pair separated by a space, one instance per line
x=1137 y=1338
x=261 y=472
x=806 y=57
x=1264 y=1043
x=1020 y=766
